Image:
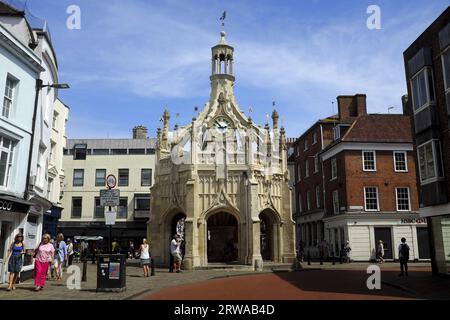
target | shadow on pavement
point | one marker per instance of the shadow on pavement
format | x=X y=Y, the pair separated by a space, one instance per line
x=351 y=282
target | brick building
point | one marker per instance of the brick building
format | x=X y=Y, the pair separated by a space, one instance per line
x=427 y=66
x=308 y=186
x=365 y=189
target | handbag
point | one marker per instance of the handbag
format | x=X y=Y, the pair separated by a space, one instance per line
x=36 y=252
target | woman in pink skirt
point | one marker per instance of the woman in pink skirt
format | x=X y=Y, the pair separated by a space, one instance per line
x=44 y=255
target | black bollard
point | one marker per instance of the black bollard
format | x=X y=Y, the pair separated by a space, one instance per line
x=333 y=259
x=152 y=267
x=309 y=258
x=84 y=259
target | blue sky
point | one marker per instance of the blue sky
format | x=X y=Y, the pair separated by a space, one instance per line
x=131 y=58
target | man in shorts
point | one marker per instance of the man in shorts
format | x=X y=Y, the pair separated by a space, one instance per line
x=176 y=253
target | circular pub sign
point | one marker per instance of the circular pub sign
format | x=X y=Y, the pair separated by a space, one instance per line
x=111 y=181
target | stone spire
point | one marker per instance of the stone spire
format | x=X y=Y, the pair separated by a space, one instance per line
x=275 y=118
x=165 y=131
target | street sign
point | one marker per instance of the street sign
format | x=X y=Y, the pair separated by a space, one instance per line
x=110 y=217
x=109 y=197
x=111 y=181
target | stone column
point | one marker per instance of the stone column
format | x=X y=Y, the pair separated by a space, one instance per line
x=191 y=258
x=255 y=239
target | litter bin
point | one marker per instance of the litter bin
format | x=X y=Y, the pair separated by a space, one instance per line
x=111 y=272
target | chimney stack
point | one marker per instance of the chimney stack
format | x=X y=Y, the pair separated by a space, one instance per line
x=405 y=104
x=351 y=107
x=140 y=132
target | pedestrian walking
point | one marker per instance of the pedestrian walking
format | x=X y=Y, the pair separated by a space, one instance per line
x=403 y=254
x=348 y=252
x=15 y=260
x=60 y=255
x=176 y=252
x=131 y=250
x=70 y=252
x=145 y=256
x=44 y=255
x=380 y=252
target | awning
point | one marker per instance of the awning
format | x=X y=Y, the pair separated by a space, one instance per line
x=14 y=205
x=55 y=211
x=40 y=204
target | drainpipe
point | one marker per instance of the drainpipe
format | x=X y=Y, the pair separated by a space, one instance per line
x=33 y=127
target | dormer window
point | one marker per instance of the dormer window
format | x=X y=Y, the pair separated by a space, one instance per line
x=422 y=89
x=80 y=151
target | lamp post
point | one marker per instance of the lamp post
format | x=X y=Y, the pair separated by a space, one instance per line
x=39 y=86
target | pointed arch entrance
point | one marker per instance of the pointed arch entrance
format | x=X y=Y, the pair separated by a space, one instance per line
x=269 y=238
x=222 y=238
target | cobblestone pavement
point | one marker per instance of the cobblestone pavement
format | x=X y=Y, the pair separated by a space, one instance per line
x=136 y=284
x=327 y=281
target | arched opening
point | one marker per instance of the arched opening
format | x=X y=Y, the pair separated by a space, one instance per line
x=222 y=238
x=267 y=237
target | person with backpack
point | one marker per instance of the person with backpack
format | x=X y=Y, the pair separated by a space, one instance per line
x=403 y=255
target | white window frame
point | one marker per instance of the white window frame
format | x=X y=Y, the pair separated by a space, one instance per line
x=374 y=161
x=336 y=132
x=409 y=199
x=436 y=170
x=307 y=168
x=316 y=163
x=11 y=98
x=446 y=85
x=335 y=197
x=429 y=102
x=378 y=200
x=9 y=160
x=334 y=173
x=395 y=161
x=308 y=200
x=318 y=197
x=299 y=173
x=314 y=138
x=306 y=145
x=82 y=178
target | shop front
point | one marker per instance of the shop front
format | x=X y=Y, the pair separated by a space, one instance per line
x=366 y=232
x=13 y=219
x=122 y=232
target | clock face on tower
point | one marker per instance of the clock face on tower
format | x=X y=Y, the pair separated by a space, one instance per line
x=222 y=124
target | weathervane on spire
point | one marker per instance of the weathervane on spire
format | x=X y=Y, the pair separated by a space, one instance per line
x=222 y=18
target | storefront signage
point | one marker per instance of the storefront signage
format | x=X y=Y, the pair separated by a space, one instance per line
x=12 y=206
x=6 y=206
x=30 y=234
x=413 y=221
x=109 y=197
